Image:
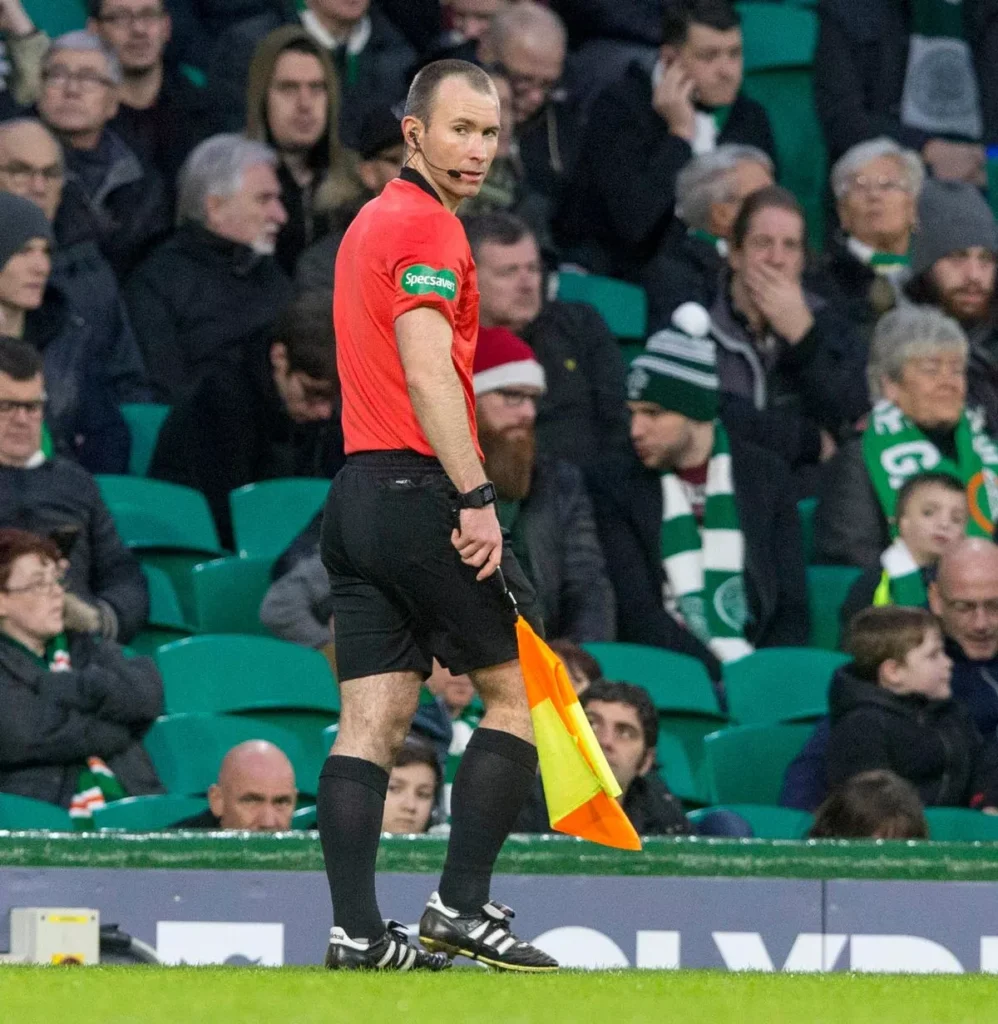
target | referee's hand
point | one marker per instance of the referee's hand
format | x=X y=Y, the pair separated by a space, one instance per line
x=479 y=540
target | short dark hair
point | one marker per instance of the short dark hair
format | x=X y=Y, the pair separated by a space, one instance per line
x=18 y=359
x=634 y=697
x=914 y=484
x=577 y=660
x=872 y=804
x=498 y=227
x=94 y=8
x=678 y=17
x=305 y=329
x=888 y=633
x=771 y=197
x=15 y=544
x=418 y=750
x=423 y=91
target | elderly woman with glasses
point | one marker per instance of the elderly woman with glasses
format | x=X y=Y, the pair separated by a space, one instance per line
x=876 y=186
x=917 y=376
x=74 y=709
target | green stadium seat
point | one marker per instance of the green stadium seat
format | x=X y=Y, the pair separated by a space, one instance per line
x=228 y=673
x=283 y=684
x=780 y=684
x=680 y=754
x=767 y=822
x=228 y=593
x=960 y=824
x=827 y=588
x=166 y=618
x=629 y=352
x=806 y=508
x=144 y=420
x=622 y=305
x=157 y=515
x=187 y=750
x=779 y=49
x=57 y=16
x=746 y=763
x=170 y=527
x=266 y=517
x=676 y=682
x=21 y=814
x=148 y=813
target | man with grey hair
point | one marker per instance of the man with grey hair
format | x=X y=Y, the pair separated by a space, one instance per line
x=210 y=293
x=876 y=186
x=917 y=376
x=710 y=190
x=108 y=196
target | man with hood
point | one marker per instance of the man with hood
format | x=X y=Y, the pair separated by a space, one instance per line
x=293 y=105
x=369 y=54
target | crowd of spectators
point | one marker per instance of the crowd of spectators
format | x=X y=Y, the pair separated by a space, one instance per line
x=175 y=181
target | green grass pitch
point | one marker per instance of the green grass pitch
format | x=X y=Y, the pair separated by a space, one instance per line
x=242 y=995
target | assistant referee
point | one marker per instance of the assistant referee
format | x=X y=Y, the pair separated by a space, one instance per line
x=411 y=541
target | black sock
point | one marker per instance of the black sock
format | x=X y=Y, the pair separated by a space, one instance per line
x=495 y=777
x=350 y=808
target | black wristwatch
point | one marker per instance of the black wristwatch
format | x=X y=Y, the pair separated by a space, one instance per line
x=479 y=497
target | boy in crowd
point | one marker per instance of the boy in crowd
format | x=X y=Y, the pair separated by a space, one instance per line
x=892 y=708
x=931 y=515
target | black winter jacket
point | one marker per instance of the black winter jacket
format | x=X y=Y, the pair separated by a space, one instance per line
x=82 y=410
x=59 y=493
x=623 y=192
x=648 y=804
x=53 y=721
x=582 y=416
x=232 y=429
x=931 y=743
x=860 y=64
x=627 y=499
x=126 y=212
x=200 y=301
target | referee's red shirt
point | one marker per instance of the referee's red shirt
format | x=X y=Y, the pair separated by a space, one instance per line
x=404 y=250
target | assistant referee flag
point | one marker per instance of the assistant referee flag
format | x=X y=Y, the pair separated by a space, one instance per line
x=579 y=786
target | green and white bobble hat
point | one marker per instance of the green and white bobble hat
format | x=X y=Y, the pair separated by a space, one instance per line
x=678 y=368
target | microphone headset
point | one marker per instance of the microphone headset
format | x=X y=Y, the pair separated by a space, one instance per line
x=449 y=171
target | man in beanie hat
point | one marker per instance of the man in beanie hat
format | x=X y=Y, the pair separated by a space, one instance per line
x=701 y=533
x=953 y=268
x=543 y=504
x=81 y=411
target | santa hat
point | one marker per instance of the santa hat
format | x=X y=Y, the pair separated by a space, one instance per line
x=502 y=360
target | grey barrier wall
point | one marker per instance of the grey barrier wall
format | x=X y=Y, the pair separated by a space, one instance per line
x=283 y=917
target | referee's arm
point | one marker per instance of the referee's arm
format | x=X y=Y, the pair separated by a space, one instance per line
x=424 y=340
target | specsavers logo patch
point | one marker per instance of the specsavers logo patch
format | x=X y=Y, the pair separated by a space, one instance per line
x=421 y=280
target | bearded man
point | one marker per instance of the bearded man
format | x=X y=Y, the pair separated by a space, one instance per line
x=544 y=508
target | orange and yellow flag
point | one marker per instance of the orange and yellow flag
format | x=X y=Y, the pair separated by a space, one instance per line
x=579 y=787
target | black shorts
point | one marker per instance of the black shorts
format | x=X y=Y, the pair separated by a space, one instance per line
x=401 y=595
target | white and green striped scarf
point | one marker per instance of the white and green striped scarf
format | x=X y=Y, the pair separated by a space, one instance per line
x=705 y=574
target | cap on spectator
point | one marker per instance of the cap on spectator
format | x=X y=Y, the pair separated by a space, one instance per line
x=379 y=130
x=20 y=221
x=678 y=368
x=502 y=360
x=952 y=215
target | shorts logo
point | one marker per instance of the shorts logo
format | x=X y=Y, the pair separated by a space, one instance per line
x=421 y=280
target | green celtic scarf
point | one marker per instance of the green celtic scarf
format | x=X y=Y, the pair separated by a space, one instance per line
x=894 y=449
x=705 y=573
